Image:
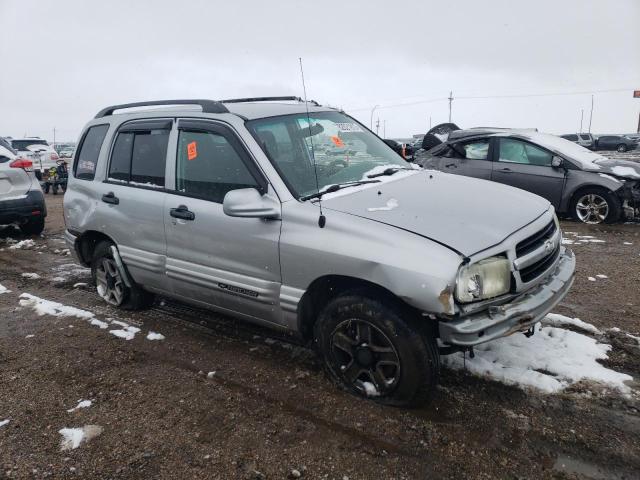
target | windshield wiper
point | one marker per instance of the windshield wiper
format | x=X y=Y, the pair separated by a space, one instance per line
x=388 y=171
x=335 y=187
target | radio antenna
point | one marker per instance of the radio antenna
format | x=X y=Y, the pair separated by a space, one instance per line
x=322 y=220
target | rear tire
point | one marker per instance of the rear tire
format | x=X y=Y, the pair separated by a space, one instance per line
x=111 y=285
x=622 y=148
x=371 y=349
x=591 y=204
x=33 y=226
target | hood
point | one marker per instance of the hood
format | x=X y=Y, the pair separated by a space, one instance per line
x=465 y=214
x=619 y=168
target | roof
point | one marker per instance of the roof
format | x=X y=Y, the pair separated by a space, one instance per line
x=249 y=109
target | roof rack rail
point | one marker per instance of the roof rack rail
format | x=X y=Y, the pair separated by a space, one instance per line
x=267 y=99
x=208 y=106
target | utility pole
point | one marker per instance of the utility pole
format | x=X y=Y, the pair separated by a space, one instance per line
x=377 y=125
x=450 y=101
x=581 y=117
x=371 y=121
x=429 y=122
x=54 y=137
x=384 y=129
x=591 y=114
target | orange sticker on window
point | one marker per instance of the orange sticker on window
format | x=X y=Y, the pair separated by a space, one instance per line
x=192 y=150
x=338 y=141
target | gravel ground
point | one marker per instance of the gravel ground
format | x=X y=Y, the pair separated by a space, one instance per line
x=268 y=411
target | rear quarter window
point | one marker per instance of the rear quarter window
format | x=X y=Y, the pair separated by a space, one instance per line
x=84 y=166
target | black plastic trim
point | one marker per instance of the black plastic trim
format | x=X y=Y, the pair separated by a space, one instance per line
x=146 y=125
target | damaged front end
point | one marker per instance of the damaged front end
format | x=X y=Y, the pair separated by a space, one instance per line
x=629 y=195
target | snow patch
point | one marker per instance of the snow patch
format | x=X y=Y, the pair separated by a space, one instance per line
x=47 y=307
x=81 y=404
x=551 y=360
x=600 y=275
x=4 y=422
x=155 y=336
x=4 y=289
x=128 y=332
x=557 y=320
x=30 y=275
x=23 y=244
x=591 y=279
x=73 y=437
x=628 y=172
x=391 y=204
x=370 y=389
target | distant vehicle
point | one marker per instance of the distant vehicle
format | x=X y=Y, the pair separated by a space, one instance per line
x=585 y=140
x=405 y=150
x=615 y=142
x=38 y=151
x=575 y=180
x=635 y=137
x=6 y=143
x=66 y=153
x=21 y=198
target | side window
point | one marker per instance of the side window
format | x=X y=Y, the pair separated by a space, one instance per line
x=208 y=166
x=86 y=160
x=475 y=150
x=516 y=151
x=139 y=158
x=585 y=137
x=573 y=138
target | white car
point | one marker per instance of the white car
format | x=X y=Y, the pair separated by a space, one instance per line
x=21 y=198
x=38 y=151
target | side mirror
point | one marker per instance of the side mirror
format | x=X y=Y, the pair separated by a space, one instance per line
x=556 y=162
x=248 y=203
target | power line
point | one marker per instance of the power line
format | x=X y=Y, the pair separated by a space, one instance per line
x=481 y=97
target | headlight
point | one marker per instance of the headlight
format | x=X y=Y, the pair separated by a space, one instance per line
x=485 y=279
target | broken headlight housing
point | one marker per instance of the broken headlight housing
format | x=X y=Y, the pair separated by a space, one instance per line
x=487 y=278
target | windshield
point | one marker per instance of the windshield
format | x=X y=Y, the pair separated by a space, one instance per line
x=23 y=144
x=344 y=150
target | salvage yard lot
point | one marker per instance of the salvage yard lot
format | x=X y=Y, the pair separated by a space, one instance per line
x=175 y=392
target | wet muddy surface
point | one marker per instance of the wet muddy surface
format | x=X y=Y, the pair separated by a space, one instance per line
x=217 y=398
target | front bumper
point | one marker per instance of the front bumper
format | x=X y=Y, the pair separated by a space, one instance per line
x=72 y=244
x=518 y=315
x=30 y=205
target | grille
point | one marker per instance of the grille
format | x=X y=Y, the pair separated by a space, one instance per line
x=536 y=240
x=536 y=269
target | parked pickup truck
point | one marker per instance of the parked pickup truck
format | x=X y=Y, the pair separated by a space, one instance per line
x=368 y=257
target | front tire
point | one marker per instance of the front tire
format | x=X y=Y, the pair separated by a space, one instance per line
x=371 y=349
x=596 y=205
x=622 y=148
x=111 y=285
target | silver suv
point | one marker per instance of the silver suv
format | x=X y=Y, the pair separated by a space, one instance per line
x=297 y=217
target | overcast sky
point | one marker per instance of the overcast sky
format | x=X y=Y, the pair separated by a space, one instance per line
x=65 y=60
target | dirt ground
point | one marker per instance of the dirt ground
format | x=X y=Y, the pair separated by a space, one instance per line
x=268 y=411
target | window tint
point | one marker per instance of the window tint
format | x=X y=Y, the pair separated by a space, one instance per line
x=585 y=137
x=121 y=157
x=23 y=144
x=573 y=138
x=84 y=166
x=139 y=158
x=208 y=166
x=516 y=151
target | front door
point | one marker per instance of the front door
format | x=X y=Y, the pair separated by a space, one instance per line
x=228 y=262
x=527 y=166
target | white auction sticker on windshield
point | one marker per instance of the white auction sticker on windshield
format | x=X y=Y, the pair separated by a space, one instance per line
x=348 y=127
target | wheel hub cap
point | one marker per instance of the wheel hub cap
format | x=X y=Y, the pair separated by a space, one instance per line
x=364 y=357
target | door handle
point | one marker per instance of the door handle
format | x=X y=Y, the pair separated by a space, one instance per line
x=182 y=212
x=110 y=198
x=506 y=170
x=451 y=165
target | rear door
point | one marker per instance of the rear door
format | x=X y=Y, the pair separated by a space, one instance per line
x=470 y=158
x=527 y=166
x=132 y=198
x=228 y=262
